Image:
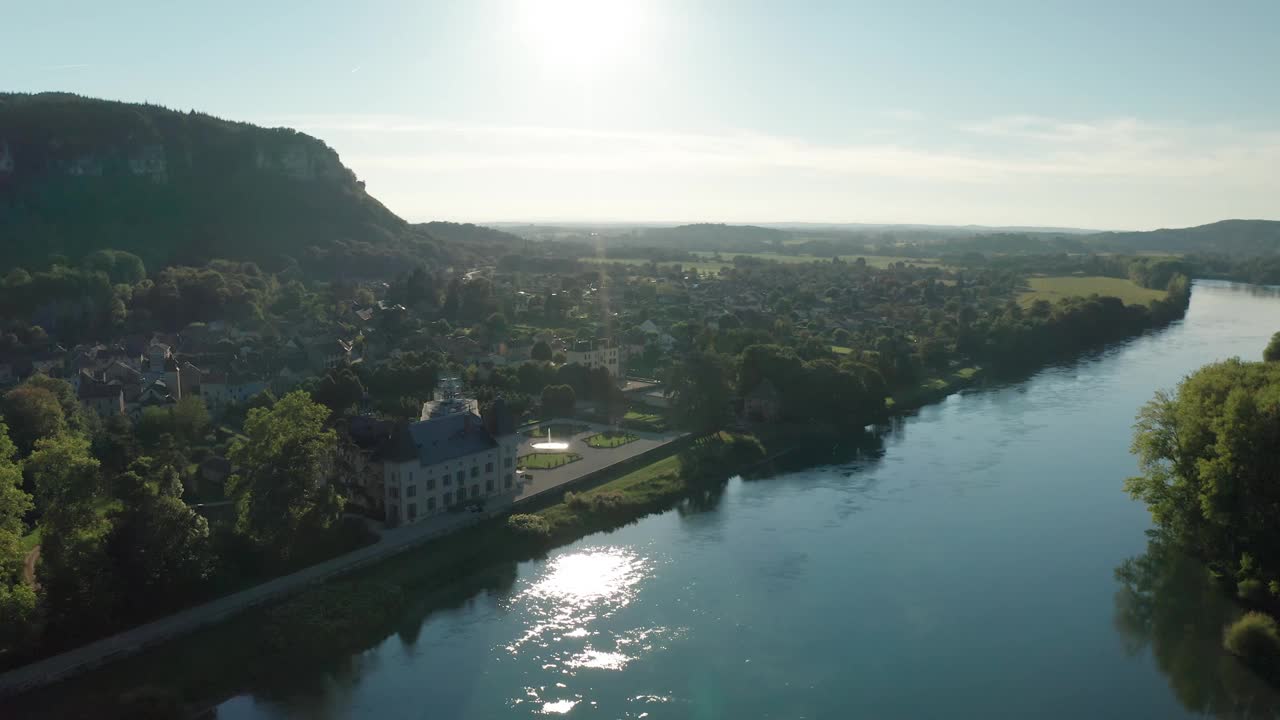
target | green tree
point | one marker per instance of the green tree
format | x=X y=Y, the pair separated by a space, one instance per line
x=17 y=598
x=1208 y=455
x=33 y=413
x=699 y=390
x=281 y=492
x=1272 y=351
x=540 y=351
x=158 y=545
x=339 y=390
x=190 y=419
x=119 y=266
x=76 y=578
x=558 y=401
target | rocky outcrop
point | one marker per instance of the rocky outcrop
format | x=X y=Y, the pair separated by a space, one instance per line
x=78 y=174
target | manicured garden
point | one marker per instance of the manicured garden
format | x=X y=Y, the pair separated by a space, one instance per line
x=610 y=439
x=547 y=461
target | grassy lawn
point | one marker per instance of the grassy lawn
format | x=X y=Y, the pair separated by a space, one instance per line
x=841 y=350
x=653 y=481
x=642 y=420
x=1056 y=288
x=547 y=461
x=610 y=439
x=559 y=431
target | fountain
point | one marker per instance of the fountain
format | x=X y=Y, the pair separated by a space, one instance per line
x=549 y=445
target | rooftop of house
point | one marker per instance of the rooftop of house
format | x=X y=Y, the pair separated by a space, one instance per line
x=441 y=439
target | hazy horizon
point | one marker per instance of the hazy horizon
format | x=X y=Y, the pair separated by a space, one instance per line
x=1055 y=114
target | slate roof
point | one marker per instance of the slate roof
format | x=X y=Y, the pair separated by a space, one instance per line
x=441 y=439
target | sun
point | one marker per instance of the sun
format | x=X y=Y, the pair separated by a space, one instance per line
x=580 y=34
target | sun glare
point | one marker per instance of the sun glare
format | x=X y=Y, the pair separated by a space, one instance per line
x=580 y=34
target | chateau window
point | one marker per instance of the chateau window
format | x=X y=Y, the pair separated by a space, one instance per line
x=488 y=467
x=411 y=491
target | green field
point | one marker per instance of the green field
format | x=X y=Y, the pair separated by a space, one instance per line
x=547 y=461
x=726 y=261
x=841 y=350
x=610 y=439
x=1054 y=289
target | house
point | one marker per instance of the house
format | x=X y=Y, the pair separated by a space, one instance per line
x=763 y=402
x=596 y=354
x=452 y=457
x=104 y=398
x=219 y=390
x=362 y=442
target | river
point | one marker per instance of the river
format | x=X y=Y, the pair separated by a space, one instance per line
x=969 y=571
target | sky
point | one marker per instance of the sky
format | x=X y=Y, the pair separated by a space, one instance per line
x=1132 y=114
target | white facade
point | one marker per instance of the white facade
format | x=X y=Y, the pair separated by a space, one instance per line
x=606 y=357
x=414 y=491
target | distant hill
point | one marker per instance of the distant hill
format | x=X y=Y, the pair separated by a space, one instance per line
x=79 y=174
x=1236 y=238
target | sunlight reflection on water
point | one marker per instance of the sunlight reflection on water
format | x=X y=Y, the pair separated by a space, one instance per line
x=562 y=608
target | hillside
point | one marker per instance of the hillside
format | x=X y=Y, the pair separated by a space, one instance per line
x=79 y=174
x=1237 y=238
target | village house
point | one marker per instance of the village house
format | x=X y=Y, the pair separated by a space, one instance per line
x=450 y=457
x=598 y=353
x=104 y=398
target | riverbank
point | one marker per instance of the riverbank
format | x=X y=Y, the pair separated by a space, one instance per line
x=266 y=639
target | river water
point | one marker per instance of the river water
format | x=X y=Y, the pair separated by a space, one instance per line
x=968 y=572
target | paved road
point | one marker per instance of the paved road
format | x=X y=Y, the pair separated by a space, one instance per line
x=390 y=543
x=593 y=459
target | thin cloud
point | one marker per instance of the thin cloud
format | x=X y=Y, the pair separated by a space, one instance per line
x=1007 y=149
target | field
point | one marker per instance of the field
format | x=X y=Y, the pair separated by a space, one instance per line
x=547 y=461
x=610 y=439
x=726 y=260
x=1056 y=288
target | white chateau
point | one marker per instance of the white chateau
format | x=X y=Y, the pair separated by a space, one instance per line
x=450 y=456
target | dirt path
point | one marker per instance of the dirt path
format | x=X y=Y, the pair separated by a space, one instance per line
x=29 y=565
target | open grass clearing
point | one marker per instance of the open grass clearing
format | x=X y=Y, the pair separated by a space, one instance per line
x=1054 y=289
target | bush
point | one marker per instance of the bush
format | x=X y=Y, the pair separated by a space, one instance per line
x=344 y=617
x=1254 y=637
x=1251 y=591
x=596 y=502
x=529 y=526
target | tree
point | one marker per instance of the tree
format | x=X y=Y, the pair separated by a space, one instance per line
x=1272 y=351
x=339 y=390
x=1208 y=455
x=17 y=598
x=119 y=266
x=540 y=351
x=699 y=390
x=281 y=493
x=558 y=401
x=33 y=413
x=190 y=419
x=75 y=574
x=158 y=545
